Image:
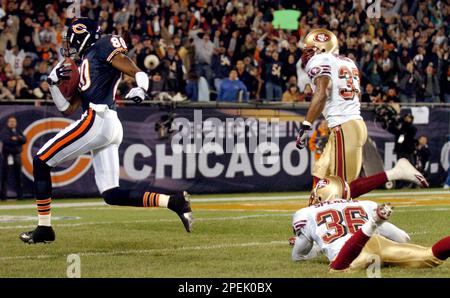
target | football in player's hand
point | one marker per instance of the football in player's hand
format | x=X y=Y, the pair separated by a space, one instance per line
x=69 y=87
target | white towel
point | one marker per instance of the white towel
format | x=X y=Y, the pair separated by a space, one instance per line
x=421 y=115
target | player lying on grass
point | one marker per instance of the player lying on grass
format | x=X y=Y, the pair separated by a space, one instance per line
x=349 y=232
x=98 y=131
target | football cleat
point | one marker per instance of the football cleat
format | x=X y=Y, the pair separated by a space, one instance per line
x=180 y=204
x=42 y=234
x=383 y=212
x=406 y=171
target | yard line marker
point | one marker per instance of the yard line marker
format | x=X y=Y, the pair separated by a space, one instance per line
x=152 y=251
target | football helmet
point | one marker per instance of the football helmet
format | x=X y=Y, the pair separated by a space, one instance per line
x=81 y=34
x=319 y=41
x=329 y=188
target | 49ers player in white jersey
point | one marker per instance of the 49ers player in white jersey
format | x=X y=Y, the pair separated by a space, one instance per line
x=350 y=232
x=336 y=84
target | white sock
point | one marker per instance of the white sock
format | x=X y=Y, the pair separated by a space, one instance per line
x=163 y=200
x=153 y=199
x=392 y=175
x=369 y=227
x=45 y=220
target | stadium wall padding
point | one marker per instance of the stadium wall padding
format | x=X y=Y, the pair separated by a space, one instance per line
x=148 y=162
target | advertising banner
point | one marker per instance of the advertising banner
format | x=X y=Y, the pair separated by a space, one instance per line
x=209 y=150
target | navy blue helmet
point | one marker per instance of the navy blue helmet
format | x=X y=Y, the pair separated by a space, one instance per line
x=82 y=34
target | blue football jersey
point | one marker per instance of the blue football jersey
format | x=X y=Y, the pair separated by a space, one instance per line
x=98 y=78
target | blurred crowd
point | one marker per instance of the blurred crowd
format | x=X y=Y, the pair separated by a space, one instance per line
x=229 y=50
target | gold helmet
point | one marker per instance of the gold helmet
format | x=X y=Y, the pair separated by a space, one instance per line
x=323 y=39
x=319 y=41
x=329 y=188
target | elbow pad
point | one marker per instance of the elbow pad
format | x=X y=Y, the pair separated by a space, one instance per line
x=142 y=80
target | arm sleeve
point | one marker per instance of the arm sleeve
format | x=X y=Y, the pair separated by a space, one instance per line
x=393 y=233
x=60 y=101
x=304 y=249
x=110 y=46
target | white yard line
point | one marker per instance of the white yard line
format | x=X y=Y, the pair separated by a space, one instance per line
x=147 y=221
x=230 y=199
x=153 y=251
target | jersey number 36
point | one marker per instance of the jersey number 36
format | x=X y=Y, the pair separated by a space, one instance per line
x=341 y=222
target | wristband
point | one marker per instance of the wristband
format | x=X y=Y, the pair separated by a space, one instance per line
x=306 y=123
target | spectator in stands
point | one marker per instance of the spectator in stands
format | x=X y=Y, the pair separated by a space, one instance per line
x=245 y=77
x=391 y=95
x=404 y=137
x=290 y=69
x=13 y=140
x=371 y=95
x=273 y=78
x=255 y=83
x=292 y=94
x=431 y=84
x=9 y=28
x=15 y=57
x=42 y=91
x=197 y=87
x=173 y=70
x=157 y=82
x=422 y=155
x=204 y=49
x=409 y=84
x=446 y=84
x=417 y=32
x=233 y=89
x=5 y=93
x=220 y=65
x=307 y=93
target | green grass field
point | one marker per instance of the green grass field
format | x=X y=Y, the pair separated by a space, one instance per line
x=234 y=236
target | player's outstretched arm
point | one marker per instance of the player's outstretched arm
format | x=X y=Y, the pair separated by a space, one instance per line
x=124 y=64
x=393 y=233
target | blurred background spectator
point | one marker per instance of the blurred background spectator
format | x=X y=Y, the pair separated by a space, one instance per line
x=13 y=140
x=233 y=89
x=404 y=132
x=292 y=94
x=422 y=155
x=404 y=55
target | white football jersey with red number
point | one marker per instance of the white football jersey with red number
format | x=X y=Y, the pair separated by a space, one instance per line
x=331 y=224
x=343 y=103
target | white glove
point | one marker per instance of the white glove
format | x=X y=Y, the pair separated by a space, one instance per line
x=137 y=94
x=59 y=72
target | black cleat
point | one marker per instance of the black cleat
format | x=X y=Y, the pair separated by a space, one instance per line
x=179 y=203
x=42 y=234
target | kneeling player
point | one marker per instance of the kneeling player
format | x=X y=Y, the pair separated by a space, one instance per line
x=346 y=230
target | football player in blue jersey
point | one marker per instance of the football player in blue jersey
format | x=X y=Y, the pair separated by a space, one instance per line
x=103 y=60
